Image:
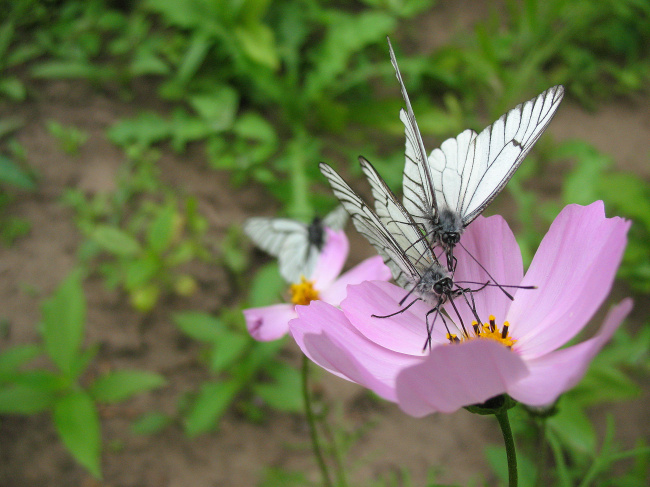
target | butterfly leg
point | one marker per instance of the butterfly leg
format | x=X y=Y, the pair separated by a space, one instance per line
x=399 y=311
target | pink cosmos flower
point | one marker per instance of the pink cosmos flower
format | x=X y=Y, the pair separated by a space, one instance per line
x=272 y=322
x=518 y=350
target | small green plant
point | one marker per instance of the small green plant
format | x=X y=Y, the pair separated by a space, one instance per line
x=70 y=138
x=13 y=177
x=66 y=390
x=145 y=256
x=242 y=367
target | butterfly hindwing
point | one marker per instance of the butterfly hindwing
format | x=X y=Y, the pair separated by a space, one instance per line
x=372 y=226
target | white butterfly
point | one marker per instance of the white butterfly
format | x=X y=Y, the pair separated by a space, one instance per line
x=446 y=191
x=397 y=238
x=297 y=245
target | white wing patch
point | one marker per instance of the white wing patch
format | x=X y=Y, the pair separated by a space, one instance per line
x=288 y=240
x=419 y=195
x=336 y=219
x=394 y=246
x=469 y=171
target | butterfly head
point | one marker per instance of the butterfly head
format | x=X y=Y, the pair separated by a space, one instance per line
x=435 y=283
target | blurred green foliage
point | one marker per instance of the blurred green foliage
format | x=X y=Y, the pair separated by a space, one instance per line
x=268 y=89
x=65 y=390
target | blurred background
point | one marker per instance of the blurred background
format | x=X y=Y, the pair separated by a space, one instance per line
x=135 y=139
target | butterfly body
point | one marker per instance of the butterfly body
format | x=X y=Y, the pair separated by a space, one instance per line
x=435 y=285
x=316 y=233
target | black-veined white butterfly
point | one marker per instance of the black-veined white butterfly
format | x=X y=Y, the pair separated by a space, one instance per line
x=297 y=245
x=398 y=240
x=446 y=191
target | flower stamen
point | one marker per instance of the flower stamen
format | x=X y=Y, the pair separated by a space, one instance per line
x=303 y=292
x=489 y=330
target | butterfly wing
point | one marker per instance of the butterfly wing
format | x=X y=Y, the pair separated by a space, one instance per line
x=370 y=225
x=336 y=219
x=396 y=219
x=418 y=187
x=469 y=171
x=298 y=258
x=286 y=239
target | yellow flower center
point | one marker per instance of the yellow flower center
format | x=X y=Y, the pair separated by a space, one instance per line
x=303 y=292
x=489 y=330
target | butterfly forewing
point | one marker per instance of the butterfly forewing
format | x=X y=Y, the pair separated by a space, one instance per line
x=418 y=187
x=500 y=149
x=270 y=234
x=336 y=219
x=395 y=218
x=370 y=225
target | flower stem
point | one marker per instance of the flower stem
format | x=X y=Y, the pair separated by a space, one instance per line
x=508 y=439
x=315 y=443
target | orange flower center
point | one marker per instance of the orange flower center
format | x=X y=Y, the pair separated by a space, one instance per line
x=489 y=331
x=303 y=292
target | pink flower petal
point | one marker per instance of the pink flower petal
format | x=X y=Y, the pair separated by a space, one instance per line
x=372 y=269
x=326 y=336
x=493 y=245
x=403 y=333
x=331 y=259
x=574 y=269
x=453 y=376
x=269 y=322
x=559 y=371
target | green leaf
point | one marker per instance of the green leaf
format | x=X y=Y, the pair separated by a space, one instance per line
x=24 y=399
x=77 y=423
x=122 y=384
x=64 y=316
x=258 y=42
x=200 y=326
x=229 y=348
x=496 y=456
x=346 y=35
x=14 y=357
x=629 y=193
x=573 y=428
x=285 y=392
x=162 y=229
x=187 y=128
x=12 y=174
x=116 y=241
x=218 y=108
x=145 y=298
x=267 y=286
x=604 y=384
x=138 y=272
x=144 y=130
x=13 y=88
x=209 y=406
x=150 y=423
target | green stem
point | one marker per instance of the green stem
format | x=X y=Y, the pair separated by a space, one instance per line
x=504 y=423
x=318 y=453
x=542 y=451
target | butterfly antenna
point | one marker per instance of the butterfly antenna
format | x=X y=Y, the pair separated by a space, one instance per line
x=484 y=284
x=486 y=271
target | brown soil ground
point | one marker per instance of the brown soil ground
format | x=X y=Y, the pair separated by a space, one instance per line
x=31 y=454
